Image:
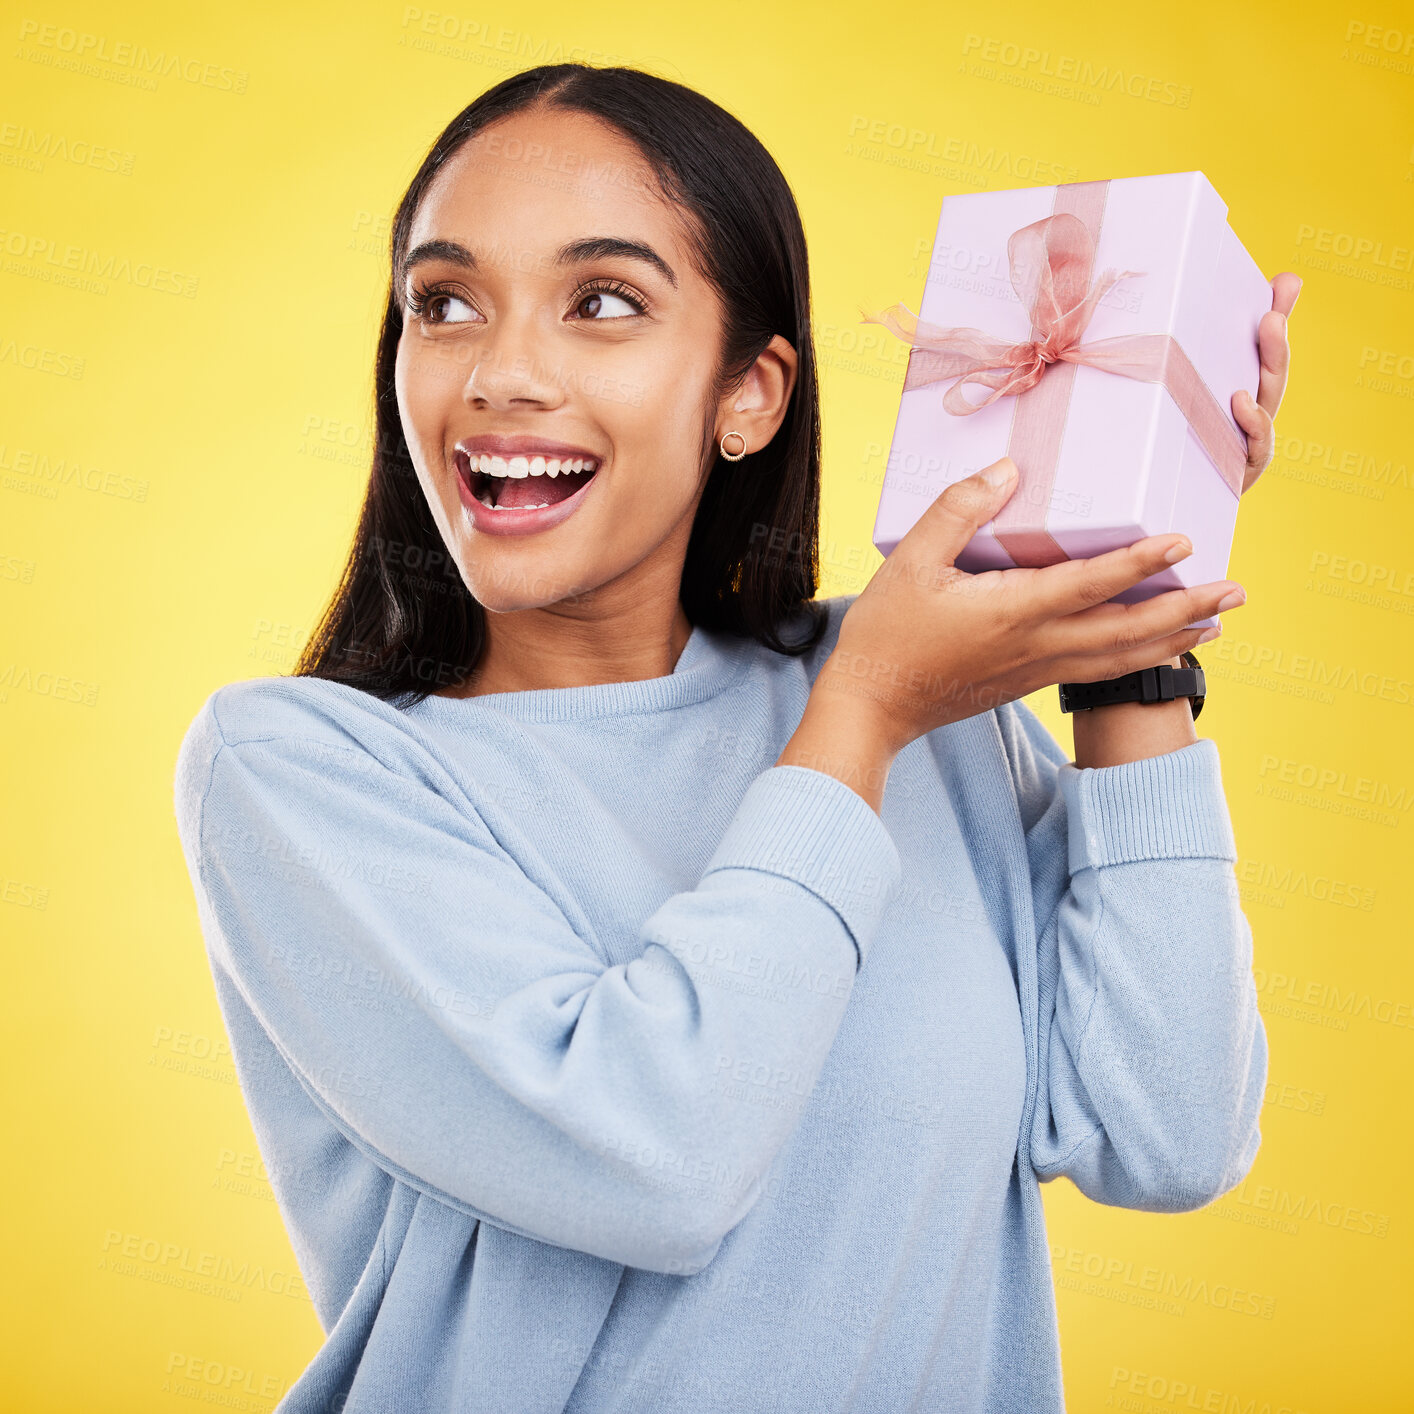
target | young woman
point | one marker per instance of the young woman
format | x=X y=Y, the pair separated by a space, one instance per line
x=654 y=990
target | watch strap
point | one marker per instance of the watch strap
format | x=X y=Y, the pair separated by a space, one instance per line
x=1161 y=683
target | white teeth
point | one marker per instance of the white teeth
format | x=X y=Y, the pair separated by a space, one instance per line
x=518 y=466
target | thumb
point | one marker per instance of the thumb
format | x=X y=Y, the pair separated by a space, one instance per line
x=963 y=508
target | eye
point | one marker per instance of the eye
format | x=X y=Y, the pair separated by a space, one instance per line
x=612 y=296
x=439 y=305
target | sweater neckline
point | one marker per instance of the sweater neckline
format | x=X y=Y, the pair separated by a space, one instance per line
x=708 y=664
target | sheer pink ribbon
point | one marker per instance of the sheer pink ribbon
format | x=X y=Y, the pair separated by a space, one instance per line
x=1051 y=262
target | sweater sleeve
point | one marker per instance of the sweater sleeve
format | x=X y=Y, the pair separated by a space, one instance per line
x=1152 y=1054
x=439 y=1008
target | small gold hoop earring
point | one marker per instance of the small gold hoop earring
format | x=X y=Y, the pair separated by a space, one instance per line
x=732 y=456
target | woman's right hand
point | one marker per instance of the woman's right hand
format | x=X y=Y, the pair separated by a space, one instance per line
x=926 y=643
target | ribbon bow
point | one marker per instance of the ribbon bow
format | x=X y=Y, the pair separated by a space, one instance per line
x=1050 y=263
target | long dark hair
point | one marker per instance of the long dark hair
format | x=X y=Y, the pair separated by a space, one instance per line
x=401 y=622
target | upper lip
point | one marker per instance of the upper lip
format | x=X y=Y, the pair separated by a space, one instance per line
x=494 y=444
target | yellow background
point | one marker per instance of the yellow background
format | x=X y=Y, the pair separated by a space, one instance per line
x=180 y=469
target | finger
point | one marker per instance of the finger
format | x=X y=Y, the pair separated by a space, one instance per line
x=1117 y=628
x=1274 y=361
x=1097 y=667
x=1261 y=432
x=1072 y=585
x=1274 y=355
x=1255 y=416
x=1285 y=288
x=1273 y=346
x=954 y=517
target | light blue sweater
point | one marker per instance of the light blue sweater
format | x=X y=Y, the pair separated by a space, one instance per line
x=600 y=1064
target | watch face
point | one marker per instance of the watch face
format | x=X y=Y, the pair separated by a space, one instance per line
x=1195 y=702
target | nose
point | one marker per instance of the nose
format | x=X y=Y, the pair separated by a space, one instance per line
x=509 y=370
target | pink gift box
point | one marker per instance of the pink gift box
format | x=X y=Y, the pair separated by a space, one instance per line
x=1105 y=456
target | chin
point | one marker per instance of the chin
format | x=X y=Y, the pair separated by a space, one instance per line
x=517 y=582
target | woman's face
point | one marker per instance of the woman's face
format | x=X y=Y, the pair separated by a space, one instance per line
x=553 y=322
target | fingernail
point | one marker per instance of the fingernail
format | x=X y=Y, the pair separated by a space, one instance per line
x=1001 y=474
x=1232 y=599
x=1209 y=634
x=1177 y=552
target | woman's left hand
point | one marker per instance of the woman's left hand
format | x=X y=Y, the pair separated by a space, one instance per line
x=1255 y=416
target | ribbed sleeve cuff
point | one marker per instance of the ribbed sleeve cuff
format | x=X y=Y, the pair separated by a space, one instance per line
x=1169 y=806
x=811 y=827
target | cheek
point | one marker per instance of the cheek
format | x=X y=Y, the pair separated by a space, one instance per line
x=662 y=428
x=424 y=378
x=422 y=420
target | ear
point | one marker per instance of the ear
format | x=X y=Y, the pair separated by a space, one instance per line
x=757 y=407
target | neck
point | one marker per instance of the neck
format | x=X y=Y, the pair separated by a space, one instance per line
x=533 y=649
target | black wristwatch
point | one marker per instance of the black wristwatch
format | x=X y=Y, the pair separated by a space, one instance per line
x=1158 y=684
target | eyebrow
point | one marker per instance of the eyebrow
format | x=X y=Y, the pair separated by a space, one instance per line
x=587 y=248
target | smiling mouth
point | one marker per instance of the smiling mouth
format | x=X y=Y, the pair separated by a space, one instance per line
x=524 y=482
